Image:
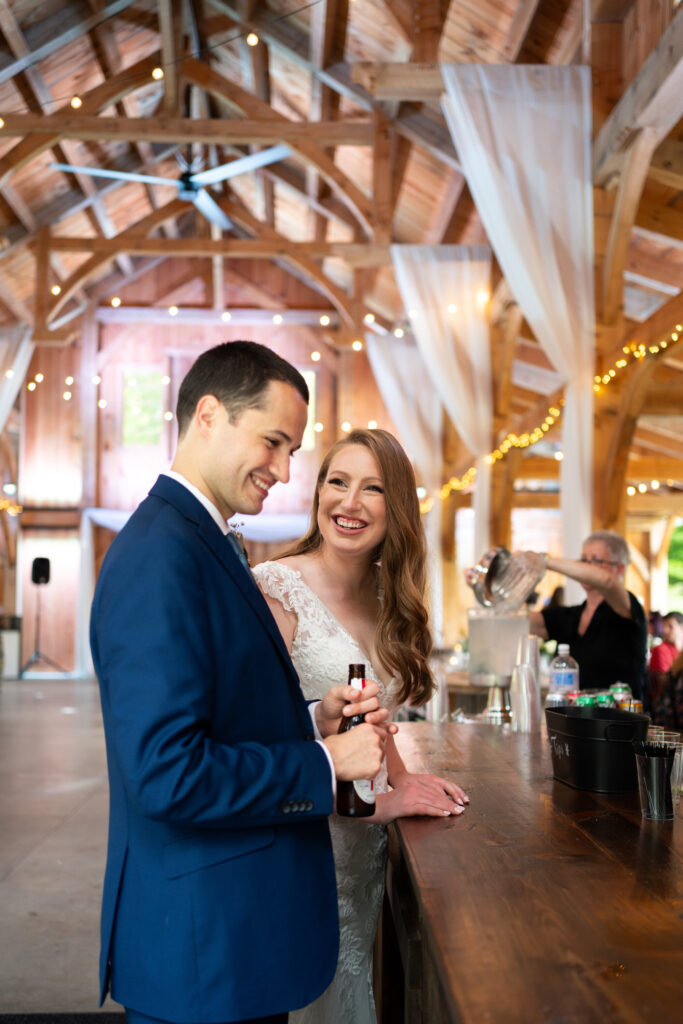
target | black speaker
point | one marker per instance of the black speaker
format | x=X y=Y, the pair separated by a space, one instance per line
x=40 y=570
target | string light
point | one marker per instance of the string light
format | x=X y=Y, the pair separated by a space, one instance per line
x=102 y=404
x=67 y=396
x=324 y=320
x=372 y=424
x=315 y=356
x=116 y=301
x=277 y=319
x=525 y=440
x=357 y=346
x=346 y=426
x=158 y=74
x=226 y=317
x=634 y=353
x=97 y=379
x=318 y=428
x=31 y=385
x=56 y=289
x=76 y=102
x=173 y=311
x=39 y=378
x=68 y=381
x=168 y=415
x=252 y=39
x=398 y=332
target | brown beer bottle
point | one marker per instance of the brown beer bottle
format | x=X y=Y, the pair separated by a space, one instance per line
x=355 y=799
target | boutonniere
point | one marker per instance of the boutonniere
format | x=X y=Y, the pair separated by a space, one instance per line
x=235 y=531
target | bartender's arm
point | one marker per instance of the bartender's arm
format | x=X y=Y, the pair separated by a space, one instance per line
x=608 y=583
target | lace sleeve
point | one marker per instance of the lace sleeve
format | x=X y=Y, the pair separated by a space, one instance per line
x=282 y=583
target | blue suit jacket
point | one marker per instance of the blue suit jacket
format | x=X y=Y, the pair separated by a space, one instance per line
x=219 y=896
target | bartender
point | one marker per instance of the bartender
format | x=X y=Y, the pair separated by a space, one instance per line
x=607 y=634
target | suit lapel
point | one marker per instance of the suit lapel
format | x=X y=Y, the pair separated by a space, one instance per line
x=210 y=534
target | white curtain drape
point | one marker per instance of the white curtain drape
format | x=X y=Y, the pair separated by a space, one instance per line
x=406 y=391
x=445 y=291
x=523 y=138
x=16 y=349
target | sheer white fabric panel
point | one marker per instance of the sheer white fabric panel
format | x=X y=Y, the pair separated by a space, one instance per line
x=444 y=291
x=16 y=349
x=523 y=138
x=406 y=390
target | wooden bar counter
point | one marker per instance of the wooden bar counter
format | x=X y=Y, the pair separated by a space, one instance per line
x=539 y=903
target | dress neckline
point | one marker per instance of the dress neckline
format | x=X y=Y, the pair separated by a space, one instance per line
x=331 y=615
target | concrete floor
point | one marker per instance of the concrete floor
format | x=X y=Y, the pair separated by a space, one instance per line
x=53 y=831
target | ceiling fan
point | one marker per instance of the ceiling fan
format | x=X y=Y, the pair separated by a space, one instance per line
x=190 y=185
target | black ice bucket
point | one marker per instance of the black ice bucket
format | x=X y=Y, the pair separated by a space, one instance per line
x=591 y=747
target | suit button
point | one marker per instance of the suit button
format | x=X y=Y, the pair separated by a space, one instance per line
x=309 y=805
x=285 y=808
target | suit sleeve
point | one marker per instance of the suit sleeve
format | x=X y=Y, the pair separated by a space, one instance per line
x=193 y=708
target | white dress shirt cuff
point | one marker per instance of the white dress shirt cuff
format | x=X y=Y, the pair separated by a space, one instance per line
x=319 y=739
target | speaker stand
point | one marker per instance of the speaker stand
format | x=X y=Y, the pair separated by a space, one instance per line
x=37 y=653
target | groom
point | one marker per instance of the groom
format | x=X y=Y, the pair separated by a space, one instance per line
x=219 y=897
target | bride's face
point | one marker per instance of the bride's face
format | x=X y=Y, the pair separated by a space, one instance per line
x=352 y=511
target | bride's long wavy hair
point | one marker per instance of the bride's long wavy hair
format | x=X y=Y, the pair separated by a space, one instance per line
x=402 y=636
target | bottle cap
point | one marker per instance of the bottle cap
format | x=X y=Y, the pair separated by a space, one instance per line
x=563 y=648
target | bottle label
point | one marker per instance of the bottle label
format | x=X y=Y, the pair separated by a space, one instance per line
x=357 y=683
x=365 y=789
x=564 y=679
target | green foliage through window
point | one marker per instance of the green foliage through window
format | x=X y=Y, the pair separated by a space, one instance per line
x=142 y=418
x=676 y=571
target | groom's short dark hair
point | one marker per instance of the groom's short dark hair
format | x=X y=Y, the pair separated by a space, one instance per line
x=237 y=373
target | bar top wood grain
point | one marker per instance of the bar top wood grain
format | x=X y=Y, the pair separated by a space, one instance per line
x=541 y=902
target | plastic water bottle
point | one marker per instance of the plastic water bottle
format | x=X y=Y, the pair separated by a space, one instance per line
x=564 y=672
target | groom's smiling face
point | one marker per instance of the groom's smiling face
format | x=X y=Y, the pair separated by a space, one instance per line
x=245 y=457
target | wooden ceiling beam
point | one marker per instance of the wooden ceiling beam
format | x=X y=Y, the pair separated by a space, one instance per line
x=357 y=254
x=97 y=99
x=169 y=57
x=288 y=39
x=631 y=182
x=210 y=131
x=654 y=467
x=663 y=399
x=309 y=151
x=58 y=41
x=653 y=100
x=664 y=221
x=667 y=164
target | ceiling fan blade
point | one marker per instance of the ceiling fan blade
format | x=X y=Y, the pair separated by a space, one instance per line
x=211 y=210
x=98 y=172
x=241 y=166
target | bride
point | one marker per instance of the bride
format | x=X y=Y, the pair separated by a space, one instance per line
x=352 y=590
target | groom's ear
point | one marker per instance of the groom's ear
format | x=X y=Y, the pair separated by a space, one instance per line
x=206 y=414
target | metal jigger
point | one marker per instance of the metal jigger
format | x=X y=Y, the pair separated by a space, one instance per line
x=497 y=710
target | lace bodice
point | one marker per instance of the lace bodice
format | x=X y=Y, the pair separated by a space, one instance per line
x=321 y=652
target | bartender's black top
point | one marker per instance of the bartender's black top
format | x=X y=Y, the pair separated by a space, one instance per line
x=613 y=648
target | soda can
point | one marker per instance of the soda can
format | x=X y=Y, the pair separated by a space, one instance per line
x=605 y=700
x=585 y=700
x=620 y=689
x=556 y=700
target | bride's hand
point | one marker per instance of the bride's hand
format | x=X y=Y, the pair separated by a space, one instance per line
x=419 y=795
x=345 y=701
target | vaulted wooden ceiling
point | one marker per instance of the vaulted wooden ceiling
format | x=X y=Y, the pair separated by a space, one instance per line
x=352 y=88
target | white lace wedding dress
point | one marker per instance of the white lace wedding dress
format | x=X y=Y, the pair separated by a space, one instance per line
x=322 y=652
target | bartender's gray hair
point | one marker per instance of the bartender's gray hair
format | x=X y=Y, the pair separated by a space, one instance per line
x=615 y=544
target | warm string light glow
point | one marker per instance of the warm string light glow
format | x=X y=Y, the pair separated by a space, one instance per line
x=635 y=353
x=525 y=440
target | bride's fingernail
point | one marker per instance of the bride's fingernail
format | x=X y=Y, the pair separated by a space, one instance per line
x=446 y=813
